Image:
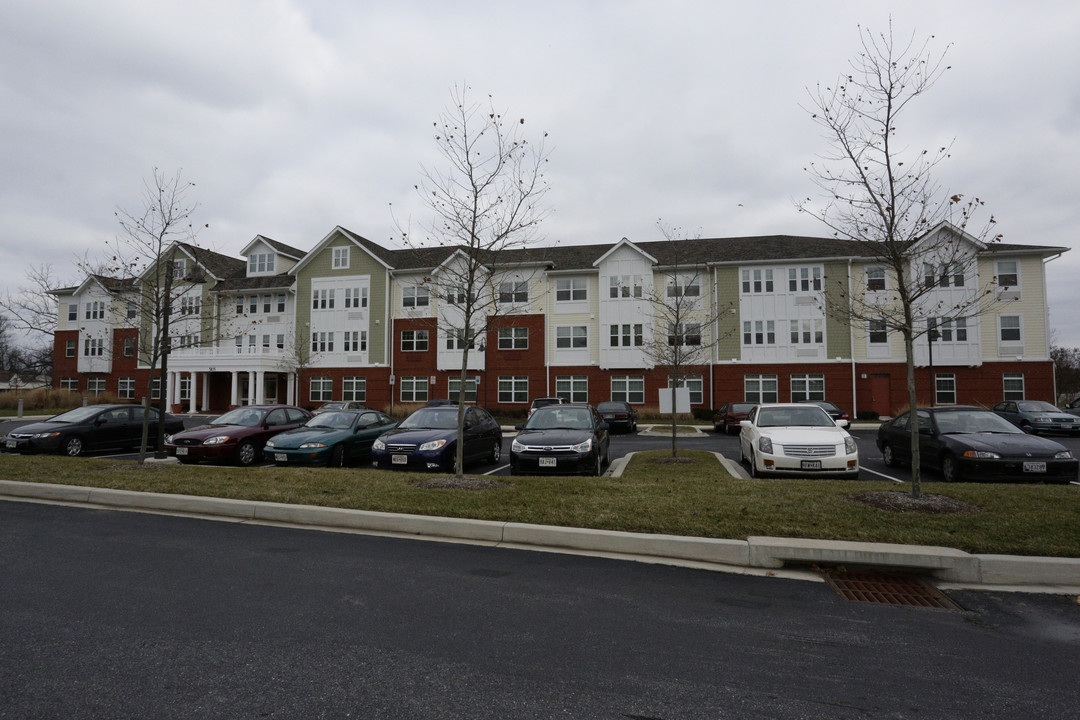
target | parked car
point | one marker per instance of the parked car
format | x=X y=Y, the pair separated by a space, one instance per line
x=618 y=414
x=544 y=402
x=93 y=427
x=1072 y=407
x=975 y=444
x=237 y=436
x=335 y=439
x=793 y=439
x=340 y=405
x=842 y=419
x=427 y=439
x=729 y=415
x=561 y=440
x=1035 y=416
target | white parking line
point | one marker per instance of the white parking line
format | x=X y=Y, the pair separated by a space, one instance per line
x=492 y=472
x=887 y=477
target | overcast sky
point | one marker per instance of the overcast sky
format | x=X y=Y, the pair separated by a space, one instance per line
x=294 y=116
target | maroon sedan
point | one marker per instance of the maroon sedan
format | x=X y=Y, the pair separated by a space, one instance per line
x=728 y=417
x=238 y=436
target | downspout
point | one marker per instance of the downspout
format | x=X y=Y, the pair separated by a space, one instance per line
x=716 y=340
x=851 y=345
x=388 y=313
x=1046 y=323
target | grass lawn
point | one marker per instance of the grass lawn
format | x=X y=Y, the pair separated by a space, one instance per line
x=697 y=499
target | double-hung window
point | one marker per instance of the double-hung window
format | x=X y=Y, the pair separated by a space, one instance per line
x=572 y=336
x=414 y=340
x=415 y=296
x=571 y=289
x=514 y=338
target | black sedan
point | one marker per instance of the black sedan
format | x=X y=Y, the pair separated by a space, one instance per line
x=561 y=440
x=834 y=411
x=618 y=414
x=970 y=443
x=427 y=440
x=93 y=427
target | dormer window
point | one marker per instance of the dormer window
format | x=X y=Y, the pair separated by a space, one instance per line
x=261 y=263
x=340 y=258
x=179 y=269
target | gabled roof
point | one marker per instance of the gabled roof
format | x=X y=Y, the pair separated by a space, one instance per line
x=279 y=247
x=625 y=243
x=219 y=266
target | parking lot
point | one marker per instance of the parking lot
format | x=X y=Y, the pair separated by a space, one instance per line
x=657 y=437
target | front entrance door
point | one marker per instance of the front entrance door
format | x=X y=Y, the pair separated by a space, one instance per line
x=880 y=393
x=271 y=389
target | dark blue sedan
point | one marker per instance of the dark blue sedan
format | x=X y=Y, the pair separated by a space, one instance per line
x=427 y=440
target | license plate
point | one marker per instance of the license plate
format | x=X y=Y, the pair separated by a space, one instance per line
x=810 y=465
x=181 y=451
x=547 y=462
x=1035 y=467
x=400 y=459
x=11 y=443
x=280 y=457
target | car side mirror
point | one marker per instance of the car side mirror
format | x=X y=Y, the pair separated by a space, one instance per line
x=925 y=431
x=519 y=427
x=744 y=423
x=603 y=426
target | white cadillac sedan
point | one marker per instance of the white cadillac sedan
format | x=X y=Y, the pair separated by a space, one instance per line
x=796 y=440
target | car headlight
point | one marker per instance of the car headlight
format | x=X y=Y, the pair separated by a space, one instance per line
x=270 y=443
x=378 y=444
x=1063 y=455
x=849 y=446
x=583 y=447
x=38 y=436
x=1043 y=420
x=432 y=445
x=764 y=444
x=516 y=446
x=981 y=455
x=309 y=445
x=216 y=440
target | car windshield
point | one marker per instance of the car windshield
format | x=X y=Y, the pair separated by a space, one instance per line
x=559 y=417
x=972 y=421
x=335 y=420
x=248 y=417
x=741 y=407
x=431 y=419
x=332 y=406
x=77 y=415
x=1036 y=406
x=809 y=416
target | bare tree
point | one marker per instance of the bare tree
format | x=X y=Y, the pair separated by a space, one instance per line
x=684 y=326
x=485 y=201
x=883 y=195
x=142 y=254
x=1066 y=371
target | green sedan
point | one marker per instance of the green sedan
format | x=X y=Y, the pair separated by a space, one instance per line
x=334 y=439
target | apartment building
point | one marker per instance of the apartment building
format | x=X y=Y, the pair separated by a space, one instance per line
x=352 y=319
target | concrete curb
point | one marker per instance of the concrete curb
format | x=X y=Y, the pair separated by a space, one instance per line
x=1033 y=574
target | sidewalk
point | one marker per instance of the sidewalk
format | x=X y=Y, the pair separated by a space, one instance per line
x=770 y=556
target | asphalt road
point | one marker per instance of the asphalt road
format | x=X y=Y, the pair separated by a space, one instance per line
x=107 y=614
x=872 y=467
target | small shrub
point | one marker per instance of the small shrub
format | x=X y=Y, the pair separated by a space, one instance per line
x=867 y=415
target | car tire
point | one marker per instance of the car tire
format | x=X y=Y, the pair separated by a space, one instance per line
x=245 y=454
x=598 y=466
x=187 y=460
x=496 y=452
x=889 y=457
x=949 y=470
x=73 y=446
x=753 y=466
x=337 y=457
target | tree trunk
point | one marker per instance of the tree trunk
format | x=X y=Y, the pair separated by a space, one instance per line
x=913 y=425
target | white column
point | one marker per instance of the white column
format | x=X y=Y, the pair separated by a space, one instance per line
x=291 y=383
x=260 y=387
x=235 y=400
x=191 y=392
x=251 y=387
x=205 y=391
x=170 y=388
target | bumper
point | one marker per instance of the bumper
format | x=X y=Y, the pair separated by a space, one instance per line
x=782 y=465
x=1057 y=427
x=415 y=460
x=293 y=456
x=1012 y=470
x=29 y=446
x=226 y=452
x=552 y=464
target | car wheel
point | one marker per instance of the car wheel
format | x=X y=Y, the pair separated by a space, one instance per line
x=245 y=454
x=337 y=457
x=753 y=466
x=949 y=471
x=888 y=456
x=73 y=446
x=496 y=452
x=598 y=467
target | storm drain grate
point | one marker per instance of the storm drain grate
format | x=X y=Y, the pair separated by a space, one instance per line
x=888 y=589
